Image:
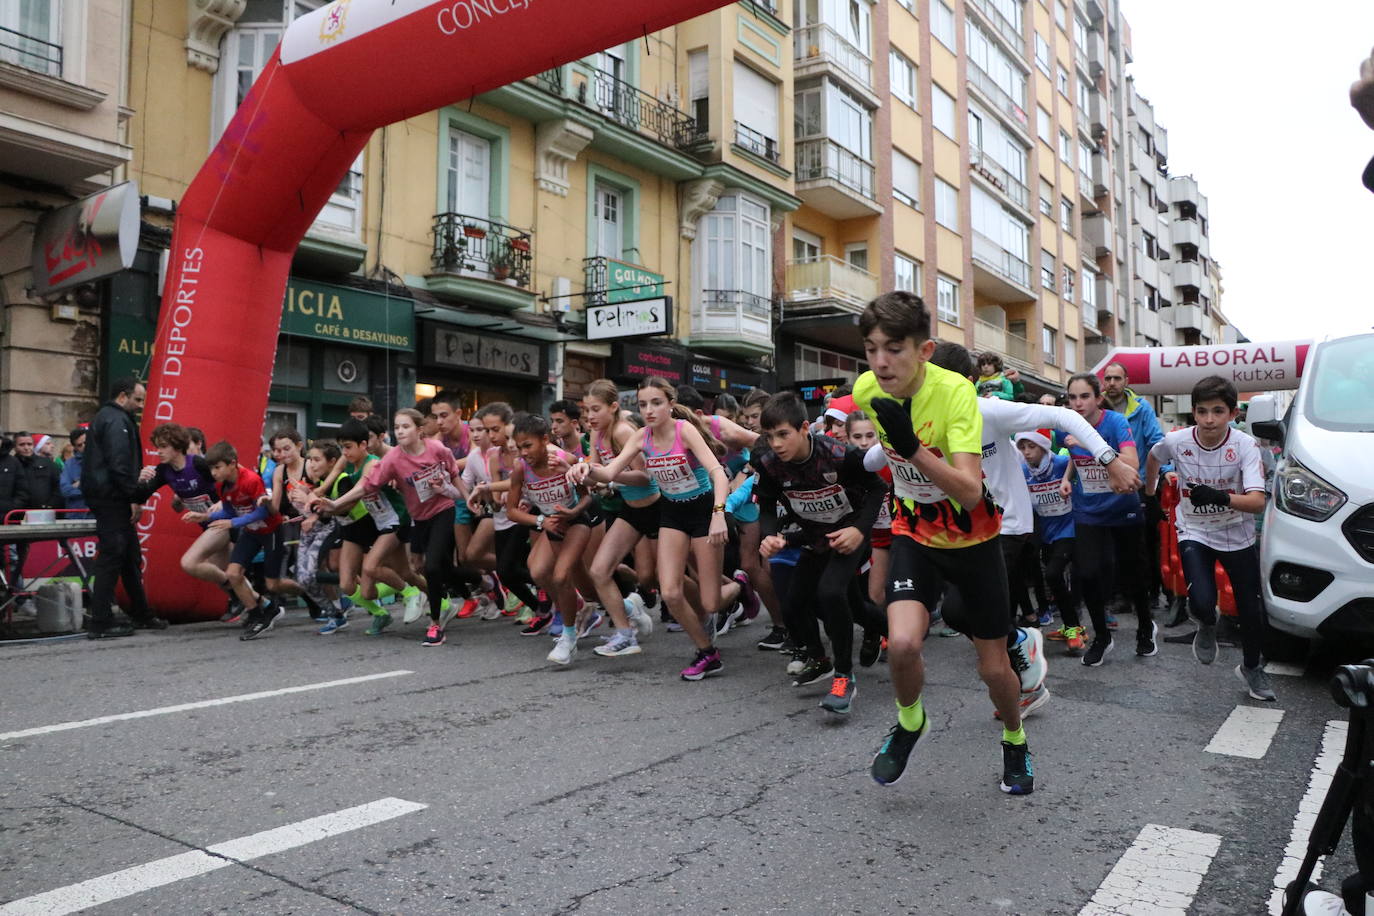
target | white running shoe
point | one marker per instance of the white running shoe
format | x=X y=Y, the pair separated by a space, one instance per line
x=414 y=606
x=1028 y=658
x=565 y=648
x=639 y=615
x=446 y=614
x=620 y=643
x=486 y=608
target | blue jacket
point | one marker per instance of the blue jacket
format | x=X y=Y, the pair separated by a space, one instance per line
x=71 y=483
x=1144 y=424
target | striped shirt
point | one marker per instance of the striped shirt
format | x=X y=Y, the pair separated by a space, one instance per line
x=1233 y=466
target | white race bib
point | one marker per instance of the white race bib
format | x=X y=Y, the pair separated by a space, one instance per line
x=826 y=505
x=1208 y=516
x=909 y=483
x=1092 y=475
x=1047 y=499
x=884 y=521
x=550 y=493
x=199 y=503
x=673 y=473
x=383 y=513
x=429 y=482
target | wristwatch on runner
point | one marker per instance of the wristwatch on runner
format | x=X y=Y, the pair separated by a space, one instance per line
x=1107 y=457
x=539 y=522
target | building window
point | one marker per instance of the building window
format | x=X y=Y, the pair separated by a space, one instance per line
x=1061 y=16
x=756 y=111
x=1151 y=297
x=942 y=111
x=1070 y=354
x=1084 y=99
x=737 y=241
x=469 y=174
x=1089 y=298
x=699 y=86
x=906 y=273
x=946 y=205
x=942 y=24
x=1063 y=81
x=610 y=221
x=1065 y=214
x=1066 y=147
x=33 y=35
x=906 y=179
x=1069 y=278
x=814 y=363
x=1151 y=247
x=1046 y=198
x=1042 y=54
x=903 y=77
x=1080 y=35
x=1042 y=126
x=947 y=299
x=1047 y=271
x=1085 y=159
x=1050 y=344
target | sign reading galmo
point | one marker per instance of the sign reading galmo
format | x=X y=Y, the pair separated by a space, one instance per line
x=629 y=282
x=354 y=316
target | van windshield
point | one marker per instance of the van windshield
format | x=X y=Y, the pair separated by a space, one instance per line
x=1342 y=395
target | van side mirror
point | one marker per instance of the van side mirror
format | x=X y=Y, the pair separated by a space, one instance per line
x=1262 y=417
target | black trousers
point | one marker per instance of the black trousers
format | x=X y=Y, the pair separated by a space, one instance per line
x=1107 y=556
x=512 y=552
x=1057 y=557
x=821 y=589
x=117 y=559
x=1243 y=569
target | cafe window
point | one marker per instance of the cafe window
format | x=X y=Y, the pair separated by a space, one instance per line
x=292 y=366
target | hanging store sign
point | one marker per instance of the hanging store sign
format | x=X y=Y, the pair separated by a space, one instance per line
x=84 y=241
x=642 y=318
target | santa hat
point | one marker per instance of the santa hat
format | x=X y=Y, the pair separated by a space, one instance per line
x=1036 y=436
x=40 y=442
x=840 y=408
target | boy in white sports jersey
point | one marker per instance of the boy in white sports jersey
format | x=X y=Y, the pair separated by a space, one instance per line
x=1221 y=482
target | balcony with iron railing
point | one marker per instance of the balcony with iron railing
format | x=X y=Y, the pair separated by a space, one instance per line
x=624 y=104
x=998 y=273
x=826 y=285
x=1004 y=27
x=761 y=145
x=477 y=258
x=30 y=52
x=995 y=94
x=818 y=45
x=1013 y=347
x=835 y=180
x=732 y=321
x=992 y=171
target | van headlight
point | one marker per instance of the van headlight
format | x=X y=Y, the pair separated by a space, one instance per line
x=1299 y=492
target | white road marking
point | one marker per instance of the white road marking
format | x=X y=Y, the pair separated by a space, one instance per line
x=129 y=881
x=1333 y=749
x=1158 y=875
x=1285 y=669
x=1247 y=732
x=201 y=704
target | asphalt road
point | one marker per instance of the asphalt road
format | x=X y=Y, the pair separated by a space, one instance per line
x=610 y=786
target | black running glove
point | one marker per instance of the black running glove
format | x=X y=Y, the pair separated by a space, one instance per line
x=896 y=422
x=1202 y=495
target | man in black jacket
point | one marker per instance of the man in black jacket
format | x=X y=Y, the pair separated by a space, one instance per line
x=109 y=479
x=42 y=475
x=14 y=486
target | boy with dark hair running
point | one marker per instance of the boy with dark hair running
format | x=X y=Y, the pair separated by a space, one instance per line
x=242 y=507
x=1222 y=485
x=944 y=528
x=825 y=490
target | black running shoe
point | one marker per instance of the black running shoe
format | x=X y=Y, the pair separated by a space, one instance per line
x=1145 y=642
x=1017 y=776
x=890 y=762
x=1097 y=651
x=150 y=623
x=262 y=621
x=774 y=640
x=817 y=669
x=869 y=648
x=109 y=630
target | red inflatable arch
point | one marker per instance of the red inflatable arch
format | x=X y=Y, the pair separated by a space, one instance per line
x=340 y=73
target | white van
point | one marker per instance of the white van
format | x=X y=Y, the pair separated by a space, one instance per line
x=1317 y=547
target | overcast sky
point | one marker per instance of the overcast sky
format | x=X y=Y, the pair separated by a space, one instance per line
x=1255 y=97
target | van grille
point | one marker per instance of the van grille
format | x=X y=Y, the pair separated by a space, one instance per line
x=1359 y=531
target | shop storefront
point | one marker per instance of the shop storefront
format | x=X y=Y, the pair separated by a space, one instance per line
x=482 y=367
x=711 y=378
x=337 y=342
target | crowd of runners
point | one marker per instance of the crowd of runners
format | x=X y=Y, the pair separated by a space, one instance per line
x=913 y=507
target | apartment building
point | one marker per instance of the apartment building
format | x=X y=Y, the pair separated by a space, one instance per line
x=63 y=135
